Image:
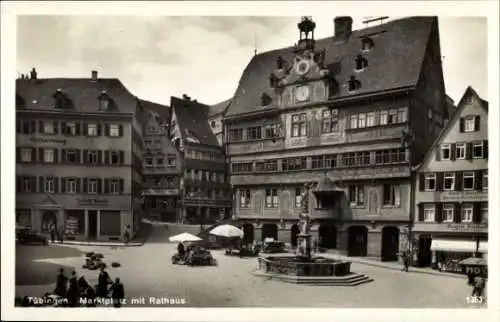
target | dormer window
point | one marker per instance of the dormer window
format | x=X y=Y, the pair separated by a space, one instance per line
x=366 y=44
x=265 y=99
x=60 y=99
x=105 y=101
x=354 y=84
x=361 y=63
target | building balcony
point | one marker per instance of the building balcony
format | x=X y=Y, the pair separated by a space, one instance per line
x=161 y=191
x=323 y=213
x=266 y=145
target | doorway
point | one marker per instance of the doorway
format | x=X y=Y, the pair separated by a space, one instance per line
x=328 y=236
x=357 y=244
x=390 y=244
x=92 y=224
x=293 y=235
x=424 y=251
x=269 y=231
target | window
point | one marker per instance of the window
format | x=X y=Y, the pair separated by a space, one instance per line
x=469 y=124
x=348 y=159
x=467 y=213
x=330 y=161
x=271 y=198
x=71 y=185
x=114 y=187
x=207 y=175
x=159 y=161
x=484 y=213
x=430 y=182
x=236 y=134
x=402 y=115
x=361 y=63
x=266 y=166
x=149 y=162
x=468 y=180
x=114 y=157
x=27 y=185
x=392 y=195
x=214 y=176
x=171 y=161
x=354 y=121
x=448 y=213
x=114 y=130
x=71 y=156
x=49 y=185
x=272 y=131
x=362 y=120
x=449 y=181
x=477 y=150
x=291 y=164
x=92 y=129
x=485 y=180
x=460 y=151
x=254 y=133
x=393 y=117
x=370 y=119
x=245 y=198
x=362 y=158
x=48 y=128
x=357 y=195
x=103 y=104
x=71 y=128
x=298 y=197
x=354 y=84
x=317 y=162
x=330 y=121
x=429 y=213
x=445 y=152
x=383 y=117
x=26 y=155
x=430 y=113
x=299 y=125
x=49 y=155
x=366 y=44
x=242 y=167
x=390 y=156
x=92 y=186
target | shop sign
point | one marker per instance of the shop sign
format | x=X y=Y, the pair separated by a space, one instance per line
x=467 y=227
x=476 y=270
x=464 y=195
x=36 y=139
x=92 y=201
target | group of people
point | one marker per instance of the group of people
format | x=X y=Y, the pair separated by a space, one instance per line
x=54 y=232
x=79 y=288
x=186 y=253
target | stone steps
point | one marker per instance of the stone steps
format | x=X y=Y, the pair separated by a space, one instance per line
x=353 y=279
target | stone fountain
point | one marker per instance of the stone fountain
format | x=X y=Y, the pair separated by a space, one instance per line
x=303 y=267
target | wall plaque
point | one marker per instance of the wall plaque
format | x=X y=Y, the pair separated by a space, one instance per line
x=36 y=139
x=92 y=201
x=467 y=227
x=464 y=195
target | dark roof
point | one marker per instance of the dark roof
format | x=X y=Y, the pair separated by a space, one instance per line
x=394 y=62
x=219 y=108
x=192 y=118
x=470 y=93
x=163 y=111
x=82 y=92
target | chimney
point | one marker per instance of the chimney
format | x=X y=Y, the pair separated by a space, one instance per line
x=33 y=74
x=343 y=27
x=187 y=98
x=94 y=75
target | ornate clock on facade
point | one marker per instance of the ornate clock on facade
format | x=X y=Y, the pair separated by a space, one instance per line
x=302 y=67
x=302 y=93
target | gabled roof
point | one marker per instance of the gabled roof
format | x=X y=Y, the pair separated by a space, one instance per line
x=163 y=111
x=470 y=93
x=394 y=62
x=192 y=119
x=219 y=108
x=82 y=92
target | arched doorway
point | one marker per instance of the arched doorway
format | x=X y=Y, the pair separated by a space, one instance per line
x=248 y=233
x=390 y=244
x=358 y=238
x=269 y=231
x=293 y=236
x=48 y=217
x=328 y=236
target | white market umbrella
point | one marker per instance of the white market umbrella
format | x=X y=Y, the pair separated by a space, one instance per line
x=227 y=231
x=184 y=237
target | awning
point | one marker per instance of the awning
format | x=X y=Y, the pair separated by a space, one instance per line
x=483 y=247
x=448 y=245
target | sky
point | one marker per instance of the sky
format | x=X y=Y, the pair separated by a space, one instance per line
x=204 y=57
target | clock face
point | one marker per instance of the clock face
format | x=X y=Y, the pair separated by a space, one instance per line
x=302 y=67
x=302 y=93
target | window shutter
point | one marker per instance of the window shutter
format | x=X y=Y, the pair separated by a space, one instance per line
x=106 y=157
x=33 y=154
x=478 y=179
x=468 y=151
x=420 y=212
x=19 y=183
x=56 y=185
x=32 y=127
x=462 y=125
x=99 y=157
x=63 y=184
x=453 y=152
x=78 y=155
x=40 y=184
x=78 y=185
x=99 y=185
x=85 y=187
x=421 y=182
x=85 y=127
x=63 y=128
x=120 y=130
x=18 y=155
x=19 y=126
x=456 y=213
x=56 y=125
x=122 y=157
x=99 y=129
x=438 y=153
x=40 y=127
x=77 y=128
x=85 y=156
x=106 y=130
x=458 y=180
x=56 y=155
x=122 y=185
x=439 y=181
x=40 y=154
x=63 y=155
x=485 y=147
x=477 y=123
x=476 y=212
x=106 y=186
x=439 y=212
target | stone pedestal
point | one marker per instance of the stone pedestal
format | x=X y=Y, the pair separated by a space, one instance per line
x=304 y=245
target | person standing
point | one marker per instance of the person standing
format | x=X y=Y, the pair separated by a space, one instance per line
x=61 y=234
x=406 y=260
x=52 y=232
x=180 y=250
x=118 y=293
x=126 y=235
x=102 y=283
x=61 y=283
x=73 y=292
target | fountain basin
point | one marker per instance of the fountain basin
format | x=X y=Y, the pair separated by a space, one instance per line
x=298 y=266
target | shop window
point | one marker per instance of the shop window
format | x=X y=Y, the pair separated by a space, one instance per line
x=447 y=213
x=445 y=152
x=429 y=213
x=467 y=211
x=449 y=181
x=357 y=195
x=75 y=222
x=468 y=183
x=430 y=181
x=271 y=198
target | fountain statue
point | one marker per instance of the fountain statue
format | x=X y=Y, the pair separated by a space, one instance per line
x=304 y=237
